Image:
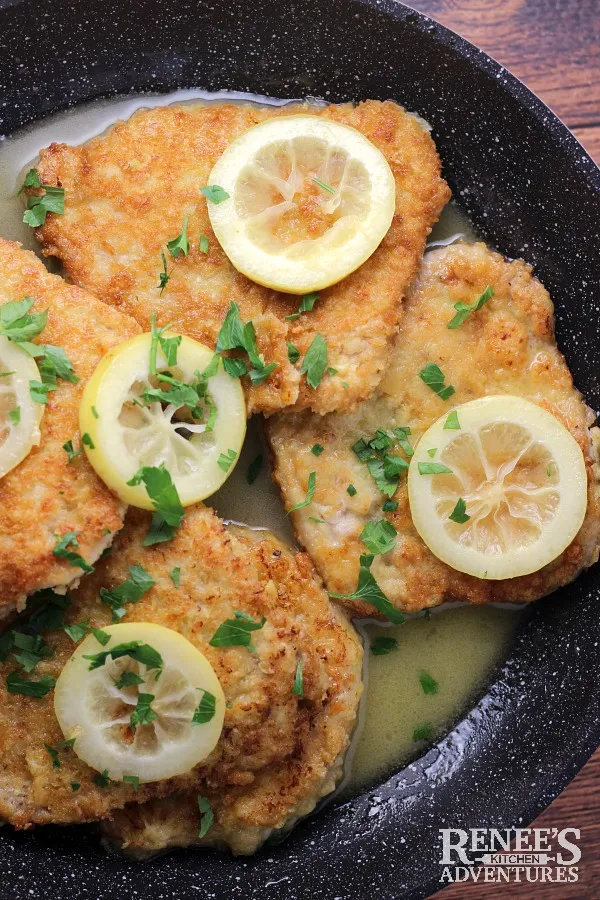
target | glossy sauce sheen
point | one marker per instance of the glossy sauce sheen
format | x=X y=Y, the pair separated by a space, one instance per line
x=458 y=647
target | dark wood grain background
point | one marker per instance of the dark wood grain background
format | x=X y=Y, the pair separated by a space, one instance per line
x=554 y=47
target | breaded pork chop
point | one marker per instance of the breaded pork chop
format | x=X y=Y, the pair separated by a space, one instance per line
x=45 y=496
x=127 y=193
x=508 y=346
x=278 y=752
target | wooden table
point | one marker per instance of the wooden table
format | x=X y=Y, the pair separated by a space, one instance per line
x=554 y=47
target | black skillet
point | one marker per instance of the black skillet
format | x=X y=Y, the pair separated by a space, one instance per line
x=532 y=190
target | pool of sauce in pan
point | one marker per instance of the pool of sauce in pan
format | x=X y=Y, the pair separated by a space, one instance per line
x=459 y=646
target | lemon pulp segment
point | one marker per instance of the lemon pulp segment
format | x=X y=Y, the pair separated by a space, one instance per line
x=127 y=432
x=518 y=475
x=20 y=431
x=309 y=201
x=96 y=712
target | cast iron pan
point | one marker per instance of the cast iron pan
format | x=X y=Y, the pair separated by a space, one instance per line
x=533 y=191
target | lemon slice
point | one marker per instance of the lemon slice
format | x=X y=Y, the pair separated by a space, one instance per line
x=127 y=432
x=516 y=493
x=20 y=415
x=309 y=202
x=95 y=709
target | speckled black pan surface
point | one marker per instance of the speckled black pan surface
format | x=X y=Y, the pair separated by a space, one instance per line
x=533 y=191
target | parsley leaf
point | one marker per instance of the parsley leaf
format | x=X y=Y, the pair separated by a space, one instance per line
x=53 y=751
x=390 y=506
x=459 y=513
x=143 y=714
x=78 y=630
x=214 y=193
x=133 y=780
x=369 y=591
x=165 y=499
x=130 y=591
x=33 y=650
x=38 y=391
x=53 y=363
x=428 y=683
x=306 y=305
x=423 y=732
x=464 y=309
x=235 y=366
x=316 y=449
x=385 y=468
x=102 y=780
x=180 y=244
x=32 y=179
x=205 y=710
x=254 y=468
x=226 y=460
x=17 y=324
x=433 y=376
x=168 y=345
x=16 y=684
x=293 y=353
x=203 y=244
x=452 y=423
x=298 y=687
x=127 y=678
x=138 y=651
x=71 y=453
x=236 y=632
x=207 y=817
x=101 y=636
x=39 y=205
x=62 y=551
x=315 y=361
x=175 y=576
x=75 y=785
x=351 y=490
x=235 y=335
x=431 y=468
x=379 y=537
x=381 y=646
x=310 y=493
x=87 y=440
x=164 y=276
x=15 y=415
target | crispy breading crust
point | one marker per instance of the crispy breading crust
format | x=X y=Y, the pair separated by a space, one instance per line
x=127 y=193
x=277 y=753
x=506 y=347
x=44 y=496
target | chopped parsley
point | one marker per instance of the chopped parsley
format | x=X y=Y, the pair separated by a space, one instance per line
x=236 y=632
x=168 y=345
x=326 y=187
x=432 y=468
x=207 y=817
x=204 y=247
x=127 y=678
x=432 y=452
x=434 y=378
x=452 y=423
x=423 y=732
x=390 y=506
x=205 y=710
x=94 y=412
x=428 y=683
x=306 y=305
x=143 y=714
x=138 y=651
x=235 y=366
x=315 y=361
x=214 y=193
x=103 y=637
x=32 y=647
x=317 y=521
x=17 y=324
x=180 y=244
x=165 y=499
x=368 y=591
x=237 y=335
x=175 y=576
x=16 y=684
x=226 y=460
x=133 y=780
x=164 y=276
x=384 y=467
x=293 y=353
x=254 y=468
x=101 y=780
x=62 y=551
x=310 y=493
x=381 y=646
x=39 y=205
x=459 y=513
x=130 y=591
x=38 y=391
x=86 y=439
x=316 y=449
x=298 y=686
x=53 y=751
x=351 y=490
x=15 y=415
x=71 y=453
x=75 y=785
x=77 y=631
x=464 y=309
x=379 y=537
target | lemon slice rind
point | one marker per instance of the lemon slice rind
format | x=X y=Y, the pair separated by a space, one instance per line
x=545 y=483
x=311 y=264
x=92 y=710
x=119 y=449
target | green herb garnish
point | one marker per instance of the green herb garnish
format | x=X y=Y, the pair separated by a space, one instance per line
x=315 y=361
x=175 y=576
x=71 y=453
x=38 y=206
x=316 y=449
x=214 y=193
x=298 y=687
x=226 y=460
x=433 y=376
x=390 y=506
x=203 y=244
x=164 y=276
x=236 y=632
x=165 y=500
x=459 y=513
x=143 y=714
x=463 y=309
x=379 y=537
x=306 y=305
x=431 y=468
x=205 y=710
x=180 y=244
x=254 y=468
x=77 y=631
x=103 y=637
x=423 y=732
x=237 y=335
x=127 y=678
x=381 y=646
x=62 y=551
x=293 y=353
x=138 y=651
x=351 y=490
x=428 y=683
x=133 y=780
x=16 y=684
x=53 y=751
x=207 y=817
x=452 y=423
x=130 y=591
x=310 y=493
x=368 y=591
x=102 y=780
x=15 y=415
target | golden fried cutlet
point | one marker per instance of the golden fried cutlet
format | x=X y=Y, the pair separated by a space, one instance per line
x=278 y=752
x=45 y=496
x=127 y=193
x=508 y=347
